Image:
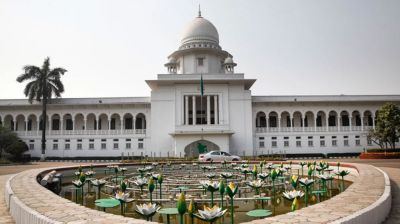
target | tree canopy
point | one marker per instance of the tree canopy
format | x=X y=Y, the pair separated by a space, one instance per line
x=387 y=126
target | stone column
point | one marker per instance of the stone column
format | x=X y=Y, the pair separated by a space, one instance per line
x=122 y=124
x=186 y=122
x=85 y=122
x=26 y=125
x=134 y=124
x=73 y=124
x=362 y=123
x=279 y=124
x=61 y=125
x=38 y=125
x=194 y=110
x=216 y=121
x=208 y=111
x=304 y=123
x=339 y=120
x=350 y=121
x=373 y=122
x=327 y=122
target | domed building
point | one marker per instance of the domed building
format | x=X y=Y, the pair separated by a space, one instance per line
x=199 y=101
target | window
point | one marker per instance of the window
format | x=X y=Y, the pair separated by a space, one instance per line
x=262 y=145
x=103 y=146
x=298 y=143
x=67 y=146
x=128 y=145
x=286 y=143
x=358 y=142
x=55 y=146
x=200 y=61
x=31 y=146
x=91 y=145
x=334 y=142
x=141 y=144
x=310 y=143
x=115 y=146
x=215 y=153
x=103 y=140
x=67 y=140
x=79 y=146
x=298 y=137
x=274 y=144
x=346 y=142
x=322 y=143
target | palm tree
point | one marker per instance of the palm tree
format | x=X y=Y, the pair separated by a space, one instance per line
x=43 y=83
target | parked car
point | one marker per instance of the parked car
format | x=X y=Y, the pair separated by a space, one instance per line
x=217 y=156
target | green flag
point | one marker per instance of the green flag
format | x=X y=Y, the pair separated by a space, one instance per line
x=201 y=85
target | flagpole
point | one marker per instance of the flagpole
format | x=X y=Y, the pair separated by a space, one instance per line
x=201 y=103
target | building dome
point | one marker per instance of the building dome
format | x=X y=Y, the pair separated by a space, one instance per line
x=200 y=30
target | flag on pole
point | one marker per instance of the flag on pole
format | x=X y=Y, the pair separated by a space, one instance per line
x=201 y=85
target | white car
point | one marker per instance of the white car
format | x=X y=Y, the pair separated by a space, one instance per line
x=217 y=156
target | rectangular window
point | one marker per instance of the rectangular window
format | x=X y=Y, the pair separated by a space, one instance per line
x=322 y=143
x=128 y=140
x=128 y=145
x=346 y=142
x=285 y=137
x=298 y=143
x=31 y=140
x=31 y=146
x=67 y=146
x=274 y=144
x=262 y=145
x=286 y=143
x=140 y=145
x=273 y=138
x=261 y=138
x=200 y=61
x=310 y=143
x=321 y=137
x=115 y=145
x=79 y=140
x=358 y=142
x=67 y=140
x=115 y=139
x=103 y=140
x=55 y=146
x=298 y=137
x=91 y=145
x=79 y=146
x=369 y=141
x=334 y=142
x=310 y=137
x=91 y=140
x=103 y=146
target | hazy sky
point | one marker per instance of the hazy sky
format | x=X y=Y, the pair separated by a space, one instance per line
x=291 y=47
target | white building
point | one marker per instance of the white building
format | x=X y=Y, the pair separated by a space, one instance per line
x=176 y=118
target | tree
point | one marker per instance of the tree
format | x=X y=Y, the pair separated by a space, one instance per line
x=387 y=127
x=43 y=84
x=17 y=149
x=7 y=138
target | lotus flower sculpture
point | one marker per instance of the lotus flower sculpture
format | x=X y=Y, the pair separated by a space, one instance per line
x=140 y=182
x=302 y=164
x=245 y=171
x=160 y=180
x=263 y=176
x=254 y=172
x=99 y=184
x=256 y=185
x=211 y=186
x=121 y=196
x=191 y=210
x=210 y=214
x=342 y=174
x=141 y=171
x=123 y=186
x=226 y=175
x=90 y=173
x=181 y=206
x=211 y=176
x=306 y=183
x=147 y=210
x=231 y=190
x=123 y=170
x=294 y=181
x=293 y=196
x=150 y=187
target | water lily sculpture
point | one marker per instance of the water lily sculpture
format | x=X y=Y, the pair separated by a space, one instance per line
x=274 y=174
x=263 y=176
x=226 y=175
x=306 y=183
x=256 y=185
x=293 y=196
x=99 y=184
x=211 y=186
x=231 y=190
x=140 y=182
x=123 y=170
x=210 y=214
x=245 y=171
x=210 y=176
x=181 y=206
x=324 y=178
x=90 y=173
x=123 y=186
x=122 y=198
x=342 y=174
x=141 y=171
x=147 y=210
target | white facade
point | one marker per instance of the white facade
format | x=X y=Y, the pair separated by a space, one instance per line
x=176 y=118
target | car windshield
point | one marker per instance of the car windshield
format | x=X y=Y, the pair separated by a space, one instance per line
x=215 y=153
x=227 y=154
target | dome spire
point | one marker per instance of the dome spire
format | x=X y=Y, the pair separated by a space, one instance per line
x=199 y=11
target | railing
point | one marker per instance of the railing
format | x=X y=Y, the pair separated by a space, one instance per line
x=84 y=132
x=313 y=129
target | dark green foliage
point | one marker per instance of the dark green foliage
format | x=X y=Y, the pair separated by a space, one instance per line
x=43 y=83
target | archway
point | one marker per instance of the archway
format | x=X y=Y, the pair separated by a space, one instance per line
x=200 y=146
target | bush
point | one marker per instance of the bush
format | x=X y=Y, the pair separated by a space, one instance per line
x=17 y=149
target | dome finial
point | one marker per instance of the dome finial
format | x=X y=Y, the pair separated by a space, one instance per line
x=199 y=11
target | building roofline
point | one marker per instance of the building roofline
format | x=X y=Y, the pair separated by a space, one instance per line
x=325 y=98
x=79 y=101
